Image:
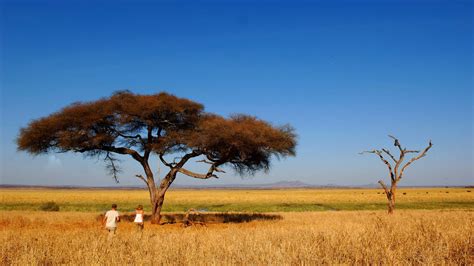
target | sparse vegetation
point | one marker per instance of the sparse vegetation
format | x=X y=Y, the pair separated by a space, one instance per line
x=441 y=235
x=356 y=237
x=223 y=200
x=49 y=206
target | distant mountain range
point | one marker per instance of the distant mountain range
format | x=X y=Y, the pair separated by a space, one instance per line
x=276 y=185
x=281 y=184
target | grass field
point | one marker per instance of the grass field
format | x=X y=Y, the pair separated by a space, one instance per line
x=431 y=226
x=240 y=200
x=345 y=237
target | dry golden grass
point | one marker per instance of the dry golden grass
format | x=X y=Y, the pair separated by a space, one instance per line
x=344 y=237
x=240 y=200
x=441 y=236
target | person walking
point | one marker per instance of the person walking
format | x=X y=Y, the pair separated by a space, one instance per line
x=139 y=215
x=110 y=220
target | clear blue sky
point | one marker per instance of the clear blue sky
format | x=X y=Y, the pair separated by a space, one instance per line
x=344 y=74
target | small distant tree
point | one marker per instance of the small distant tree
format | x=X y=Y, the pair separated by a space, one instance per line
x=396 y=169
x=173 y=129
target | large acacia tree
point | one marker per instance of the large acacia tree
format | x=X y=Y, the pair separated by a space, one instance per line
x=173 y=130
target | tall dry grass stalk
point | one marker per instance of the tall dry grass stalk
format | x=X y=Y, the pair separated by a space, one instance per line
x=355 y=237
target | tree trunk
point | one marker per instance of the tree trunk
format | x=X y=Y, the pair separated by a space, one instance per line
x=158 y=197
x=391 y=205
x=391 y=199
x=157 y=204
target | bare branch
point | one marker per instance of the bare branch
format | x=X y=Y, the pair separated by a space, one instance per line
x=397 y=143
x=158 y=132
x=196 y=175
x=204 y=161
x=212 y=163
x=113 y=169
x=379 y=153
x=162 y=159
x=219 y=170
x=149 y=134
x=210 y=173
x=399 y=162
x=389 y=154
x=130 y=137
x=142 y=178
x=387 y=192
x=421 y=155
x=373 y=151
x=186 y=157
x=146 y=146
x=121 y=150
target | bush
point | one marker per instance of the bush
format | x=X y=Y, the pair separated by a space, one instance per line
x=49 y=206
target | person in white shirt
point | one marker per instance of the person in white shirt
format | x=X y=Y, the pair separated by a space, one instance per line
x=110 y=220
x=139 y=219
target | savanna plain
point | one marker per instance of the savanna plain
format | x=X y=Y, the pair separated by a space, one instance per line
x=316 y=226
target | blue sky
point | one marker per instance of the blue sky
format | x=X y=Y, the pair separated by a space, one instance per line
x=344 y=74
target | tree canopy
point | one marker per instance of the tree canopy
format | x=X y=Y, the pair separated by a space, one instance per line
x=139 y=125
x=160 y=124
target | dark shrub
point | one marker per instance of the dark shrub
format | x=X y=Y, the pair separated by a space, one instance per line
x=49 y=206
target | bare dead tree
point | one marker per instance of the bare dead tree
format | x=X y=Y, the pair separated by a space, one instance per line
x=396 y=169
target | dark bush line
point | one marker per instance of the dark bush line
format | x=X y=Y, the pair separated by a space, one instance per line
x=221 y=217
x=49 y=206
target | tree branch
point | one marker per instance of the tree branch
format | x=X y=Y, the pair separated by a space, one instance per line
x=399 y=162
x=400 y=158
x=146 y=146
x=384 y=186
x=396 y=143
x=210 y=173
x=421 y=155
x=142 y=178
x=138 y=136
x=122 y=150
x=196 y=175
x=212 y=163
x=162 y=159
x=113 y=169
x=186 y=157
x=387 y=192
x=158 y=132
x=389 y=154
x=379 y=153
x=204 y=161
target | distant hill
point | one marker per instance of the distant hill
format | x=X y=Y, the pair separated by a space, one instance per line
x=276 y=185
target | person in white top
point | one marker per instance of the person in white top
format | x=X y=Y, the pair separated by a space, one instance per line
x=110 y=220
x=139 y=213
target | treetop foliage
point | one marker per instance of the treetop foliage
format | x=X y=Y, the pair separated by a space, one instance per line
x=163 y=124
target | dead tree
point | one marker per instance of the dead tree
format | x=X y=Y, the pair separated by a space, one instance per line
x=396 y=168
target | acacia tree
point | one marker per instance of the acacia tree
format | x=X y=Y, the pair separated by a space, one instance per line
x=396 y=171
x=162 y=125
